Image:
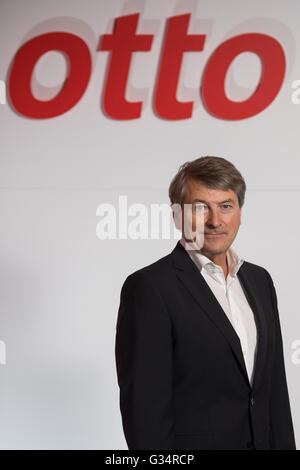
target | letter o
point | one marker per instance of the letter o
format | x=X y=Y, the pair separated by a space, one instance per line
x=272 y=55
x=80 y=65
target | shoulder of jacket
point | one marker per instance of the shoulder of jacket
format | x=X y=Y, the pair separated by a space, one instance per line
x=257 y=270
x=150 y=272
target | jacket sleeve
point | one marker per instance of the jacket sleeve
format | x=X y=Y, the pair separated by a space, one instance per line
x=144 y=357
x=281 y=425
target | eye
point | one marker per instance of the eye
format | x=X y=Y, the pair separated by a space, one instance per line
x=226 y=206
x=200 y=208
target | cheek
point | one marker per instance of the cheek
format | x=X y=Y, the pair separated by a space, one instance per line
x=198 y=219
x=234 y=224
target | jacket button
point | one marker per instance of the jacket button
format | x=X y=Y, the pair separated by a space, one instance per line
x=252 y=401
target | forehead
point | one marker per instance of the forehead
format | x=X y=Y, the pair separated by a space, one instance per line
x=198 y=190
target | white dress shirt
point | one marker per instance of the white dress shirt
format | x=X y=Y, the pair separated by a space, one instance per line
x=230 y=295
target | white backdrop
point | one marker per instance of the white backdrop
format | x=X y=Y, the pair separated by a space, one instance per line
x=59 y=283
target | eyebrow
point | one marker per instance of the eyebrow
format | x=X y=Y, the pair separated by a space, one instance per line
x=222 y=202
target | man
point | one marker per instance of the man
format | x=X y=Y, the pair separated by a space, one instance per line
x=198 y=343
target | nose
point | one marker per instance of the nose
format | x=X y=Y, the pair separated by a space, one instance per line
x=213 y=219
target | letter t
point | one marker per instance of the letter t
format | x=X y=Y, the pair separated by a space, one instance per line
x=122 y=44
x=176 y=43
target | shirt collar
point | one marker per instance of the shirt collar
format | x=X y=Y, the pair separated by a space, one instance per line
x=234 y=261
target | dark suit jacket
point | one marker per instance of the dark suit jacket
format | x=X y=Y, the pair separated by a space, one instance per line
x=182 y=377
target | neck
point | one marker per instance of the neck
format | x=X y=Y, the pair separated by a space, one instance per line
x=220 y=258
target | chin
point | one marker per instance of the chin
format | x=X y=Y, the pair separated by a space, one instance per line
x=214 y=248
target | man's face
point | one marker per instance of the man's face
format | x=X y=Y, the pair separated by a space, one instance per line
x=220 y=213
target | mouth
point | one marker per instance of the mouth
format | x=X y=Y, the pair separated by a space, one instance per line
x=214 y=234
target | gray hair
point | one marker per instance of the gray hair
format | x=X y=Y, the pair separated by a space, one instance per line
x=213 y=172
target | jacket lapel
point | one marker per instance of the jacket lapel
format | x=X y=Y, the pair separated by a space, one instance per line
x=251 y=290
x=190 y=276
